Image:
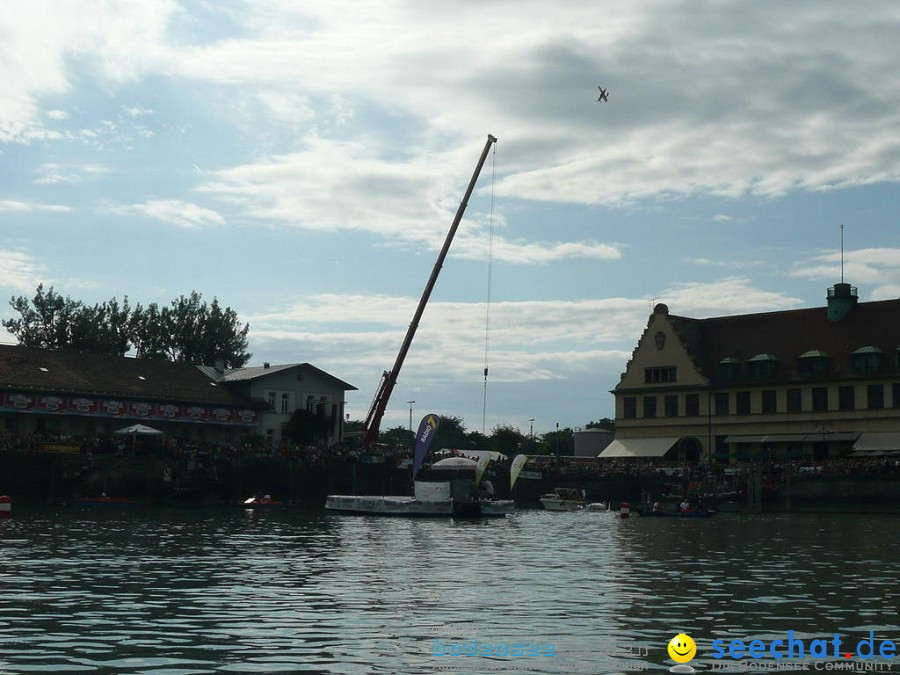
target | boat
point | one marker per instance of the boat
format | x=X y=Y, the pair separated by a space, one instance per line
x=265 y=502
x=564 y=499
x=446 y=490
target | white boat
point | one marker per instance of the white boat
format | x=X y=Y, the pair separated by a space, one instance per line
x=450 y=492
x=564 y=499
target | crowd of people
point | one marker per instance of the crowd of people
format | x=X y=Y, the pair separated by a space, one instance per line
x=315 y=455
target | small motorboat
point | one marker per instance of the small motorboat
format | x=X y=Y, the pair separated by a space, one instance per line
x=265 y=502
x=564 y=499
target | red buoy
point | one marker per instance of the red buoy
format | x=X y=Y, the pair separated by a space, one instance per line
x=5 y=506
x=625 y=510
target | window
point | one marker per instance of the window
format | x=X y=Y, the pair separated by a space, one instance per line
x=722 y=403
x=629 y=408
x=820 y=399
x=762 y=366
x=285 y=403
x=309 y=403
x=671 y=406
x=769 y=401
x=813 y=363
x=847 y=398
x=875 y=396
x=729 y=369
x=649 y=406
x=664 y=374
x=271 y=399
x=794 y=400
x=868 y=359
x=692 y=405
x=895 y=394
x=742 y=403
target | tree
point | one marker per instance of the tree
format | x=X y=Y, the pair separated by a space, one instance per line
x=606 y=424
x=188 y=330
x=506 y=439
x=562 y=441
x=306 y=427
x=397 y=436
x=49 y=321
x=451 y=434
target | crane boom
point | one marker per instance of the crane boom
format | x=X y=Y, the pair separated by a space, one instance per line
x=389 y=379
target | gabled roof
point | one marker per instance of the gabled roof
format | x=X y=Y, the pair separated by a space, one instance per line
x=789 y=334
x=24 y=369
x=256 y=372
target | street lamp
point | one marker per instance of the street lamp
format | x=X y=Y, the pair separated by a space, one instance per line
x=410 y=414
x=531 y=420
x=557 y=444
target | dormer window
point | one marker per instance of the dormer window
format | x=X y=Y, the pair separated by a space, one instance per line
x=868 y=359
x=762 y=366
x=813 y=362
x=729 y=369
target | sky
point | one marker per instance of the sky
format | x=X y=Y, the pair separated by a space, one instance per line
x=303 y=161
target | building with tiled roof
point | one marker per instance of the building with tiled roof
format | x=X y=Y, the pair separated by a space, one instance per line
x=286 y=388
x=75 y=393
x=813 y=383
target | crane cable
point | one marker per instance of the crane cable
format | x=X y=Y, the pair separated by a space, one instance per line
x=487 y=319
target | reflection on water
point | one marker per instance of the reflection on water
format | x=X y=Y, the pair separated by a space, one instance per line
x=185 y=591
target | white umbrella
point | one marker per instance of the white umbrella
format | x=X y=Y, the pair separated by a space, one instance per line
x=139 y=430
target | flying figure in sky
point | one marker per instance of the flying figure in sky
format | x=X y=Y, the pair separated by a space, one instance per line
x=603 y=95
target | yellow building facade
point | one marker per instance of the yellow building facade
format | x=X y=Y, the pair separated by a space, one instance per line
x=812 y=383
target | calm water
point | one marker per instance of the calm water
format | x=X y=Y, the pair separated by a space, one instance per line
x=182 y=591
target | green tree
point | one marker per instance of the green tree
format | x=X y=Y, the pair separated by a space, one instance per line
x=397 y=436
x=451 y=434
x=49 y=321
x=307 y=427
x=507 y=439
x=188 y=330
x=605 y=423
x=562 y=441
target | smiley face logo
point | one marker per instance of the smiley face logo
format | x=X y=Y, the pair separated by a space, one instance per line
x=682 y=648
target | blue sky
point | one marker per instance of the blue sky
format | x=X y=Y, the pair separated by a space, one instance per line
x=303 y=161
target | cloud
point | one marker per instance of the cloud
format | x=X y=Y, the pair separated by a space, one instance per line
x=765 y=100
x=173 y=212
x=13 y=206
x=19 y=271
x=52 y=173
x=877 y=267
x=528 y=340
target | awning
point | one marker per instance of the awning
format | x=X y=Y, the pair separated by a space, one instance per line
x=745 y=439
x=876 y=442
x=791 y=438
x=639 y=447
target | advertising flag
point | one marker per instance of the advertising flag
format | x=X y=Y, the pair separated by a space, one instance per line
x=483 y=462
x=516 y=468
x=424 y=436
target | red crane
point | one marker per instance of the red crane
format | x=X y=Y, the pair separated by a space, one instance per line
x=389 y=379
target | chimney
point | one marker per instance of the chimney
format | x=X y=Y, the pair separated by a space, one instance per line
x=220 y=366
